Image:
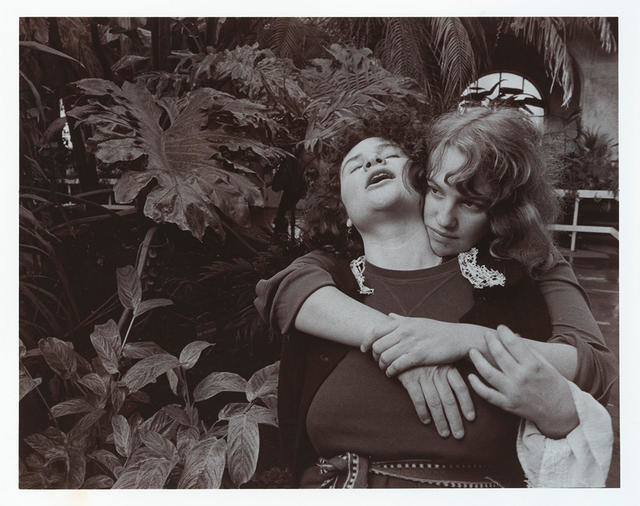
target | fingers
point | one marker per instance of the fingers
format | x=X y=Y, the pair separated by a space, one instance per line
x=416 y=394
x=449 y=404
x=379 y=332
x=383 y=344
x=461 y=392
x=402 y=363
x=490 y=374
x=505 y=361
x=514 y=344
x=389 y=355
x=435 y=406
x=488 y=394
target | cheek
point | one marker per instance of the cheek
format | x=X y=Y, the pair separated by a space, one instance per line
x=477 y=227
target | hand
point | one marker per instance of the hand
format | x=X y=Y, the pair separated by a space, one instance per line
x=525 y=384
x=408 y=342
x=439 y=386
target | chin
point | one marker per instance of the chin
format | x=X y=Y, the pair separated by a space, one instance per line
x=443 y=250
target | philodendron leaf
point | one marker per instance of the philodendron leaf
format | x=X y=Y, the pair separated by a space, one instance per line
x=108 y=460
x=264 y=382
x=51 y=448
x=153 y=473
x=71 y=406
x=191 y=353
x=232 y=409
x=106 y=341
x=204 y=464
x=82 y=426
x=121 y=435
x=259 y=413
x=158 y=444
x=263 y=415
x=98 y=481
x=243 y=446
x=31 y=44
x=217 y=382
x=27 y=383
x=129 y=287
x=77 y=467
x=172 y=378
x=188 y=160
x=148 y=305
x=95 y=383
x=59 y=355
x=148 y=370
x=142 y=349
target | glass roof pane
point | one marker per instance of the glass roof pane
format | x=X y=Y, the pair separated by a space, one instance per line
x=531 y=89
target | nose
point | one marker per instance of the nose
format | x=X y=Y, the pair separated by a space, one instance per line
x=446 y=215
x=374 y=160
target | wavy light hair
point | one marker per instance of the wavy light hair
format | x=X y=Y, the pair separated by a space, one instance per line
x=504 y=167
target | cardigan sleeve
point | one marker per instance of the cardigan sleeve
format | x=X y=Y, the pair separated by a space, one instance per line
x=279 y=298
x=573 y=323
x=580 y=459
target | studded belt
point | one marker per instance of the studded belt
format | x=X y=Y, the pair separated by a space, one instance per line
x=351 y=470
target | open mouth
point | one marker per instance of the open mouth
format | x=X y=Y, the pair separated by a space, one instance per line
x=378 y=176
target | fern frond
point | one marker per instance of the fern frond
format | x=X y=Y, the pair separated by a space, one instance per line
x=549 y=37
x=455 y=54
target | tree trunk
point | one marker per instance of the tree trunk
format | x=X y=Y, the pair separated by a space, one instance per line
x=160 y=42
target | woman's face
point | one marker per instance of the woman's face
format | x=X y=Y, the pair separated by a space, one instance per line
x=372 y=179
x=455 y=223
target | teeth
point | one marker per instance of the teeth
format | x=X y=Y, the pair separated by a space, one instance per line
x=379 y=177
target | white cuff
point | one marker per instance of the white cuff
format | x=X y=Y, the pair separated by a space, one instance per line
x=580 y=459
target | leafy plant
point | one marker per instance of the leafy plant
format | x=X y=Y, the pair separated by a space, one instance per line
x=199 y=150
x=110 y=444
x=591 y=163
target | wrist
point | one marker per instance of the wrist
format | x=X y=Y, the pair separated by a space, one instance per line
x=473 y=337
x=561 y=425
x=562 y=418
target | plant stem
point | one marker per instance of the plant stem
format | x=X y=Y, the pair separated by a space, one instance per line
x=126 y=336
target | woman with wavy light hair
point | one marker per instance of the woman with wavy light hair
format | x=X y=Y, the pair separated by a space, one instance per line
x=434 y=304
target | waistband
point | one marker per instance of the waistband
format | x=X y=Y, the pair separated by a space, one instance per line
x=351 y=470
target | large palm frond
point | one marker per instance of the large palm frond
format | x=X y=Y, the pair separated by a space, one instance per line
x=454 y=50
x=550 y=35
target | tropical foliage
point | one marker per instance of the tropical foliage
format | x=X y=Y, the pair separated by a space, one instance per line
x=178 y=128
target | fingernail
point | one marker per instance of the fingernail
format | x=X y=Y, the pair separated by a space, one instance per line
x=471 y=416
x=444 y=433
x=458 y=434
x=426 y=421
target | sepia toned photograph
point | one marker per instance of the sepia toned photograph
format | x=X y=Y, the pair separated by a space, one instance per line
x=318 y=252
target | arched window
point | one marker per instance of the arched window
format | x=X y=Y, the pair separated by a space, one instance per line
x=507 y=88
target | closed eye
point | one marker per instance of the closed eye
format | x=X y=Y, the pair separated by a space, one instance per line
x=434 y=191
x=473 y=205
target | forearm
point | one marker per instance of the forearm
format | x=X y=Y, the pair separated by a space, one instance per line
x=330 y=314
x=562 y=356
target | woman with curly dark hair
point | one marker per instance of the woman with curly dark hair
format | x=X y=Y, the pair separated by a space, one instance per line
x=485 y=202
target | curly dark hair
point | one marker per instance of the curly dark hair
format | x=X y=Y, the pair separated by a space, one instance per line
x=324 y=224
x=505 y=168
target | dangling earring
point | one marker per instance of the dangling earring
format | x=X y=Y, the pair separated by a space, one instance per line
x=349 y=228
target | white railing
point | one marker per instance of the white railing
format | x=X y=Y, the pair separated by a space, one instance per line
x=574 y=228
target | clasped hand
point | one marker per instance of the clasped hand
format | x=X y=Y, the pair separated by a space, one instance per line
x=524 y=383
x=406 y=342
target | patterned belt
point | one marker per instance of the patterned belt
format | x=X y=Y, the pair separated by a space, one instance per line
x=351 y=470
